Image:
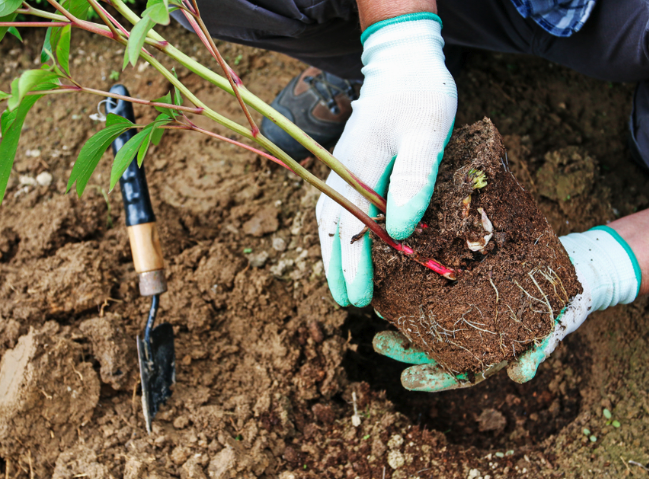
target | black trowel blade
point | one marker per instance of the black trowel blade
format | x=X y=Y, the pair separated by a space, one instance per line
x=158 y=372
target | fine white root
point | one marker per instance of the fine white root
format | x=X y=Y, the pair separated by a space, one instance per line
x=468 y=351
x=495 y=289
x=558 y=280
x=356 y=418
x=547 y=302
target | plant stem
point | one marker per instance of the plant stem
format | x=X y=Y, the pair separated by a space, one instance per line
x=35 y=24
x=211 y=46
x=245 y=97
x=237 y=143
x=99 y=10
x=71 y=89
x=266 y=110
x=188 y=109
x=29 y=10
x=89 y=26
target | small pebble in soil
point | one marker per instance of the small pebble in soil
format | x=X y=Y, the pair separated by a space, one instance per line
x=395 y=442
x=258 y=260
x=279 y=244
x=395 y=459
x=44 y=179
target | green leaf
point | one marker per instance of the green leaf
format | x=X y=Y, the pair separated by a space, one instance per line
x=7 y=7
x=159 y=13
x=113 y=119
x=14 y=31
x=136 y=40
x=31 y=80
x=7 y=18
x=46 y=51
x=126 y=155
x=78 y=8
x=4 y=96
x=62 y=48
x=92 y=152
x=144 y=147
x=178 y=99
x=11 y=124
x=154 y=137
x=167 y=111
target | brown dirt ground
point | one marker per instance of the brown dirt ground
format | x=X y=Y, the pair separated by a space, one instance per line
x=267 y=363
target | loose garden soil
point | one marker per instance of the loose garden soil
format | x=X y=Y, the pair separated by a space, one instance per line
x=267 y=364
x=510 y=288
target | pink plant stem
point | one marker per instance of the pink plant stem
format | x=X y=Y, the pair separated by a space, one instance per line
x=242 y=145
x=188 y=109
x=35 y=24
x=234 y=80
x=102 y=14
x=117 y=24
x=89 y=26
x=70 y=88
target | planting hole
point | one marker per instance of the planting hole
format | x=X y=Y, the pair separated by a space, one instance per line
x=495 y=414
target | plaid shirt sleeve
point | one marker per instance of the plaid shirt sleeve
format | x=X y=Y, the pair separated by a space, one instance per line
x=561 y=18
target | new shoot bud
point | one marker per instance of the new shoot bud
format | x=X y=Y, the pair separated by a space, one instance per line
x=477 y=178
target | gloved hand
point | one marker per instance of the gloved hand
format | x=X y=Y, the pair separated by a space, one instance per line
x=396 y=134
x=609 y=273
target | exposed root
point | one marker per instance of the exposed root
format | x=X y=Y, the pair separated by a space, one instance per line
x=517 y=320
x=528 y=294
x=547 y=302
x=468 y=351
x=495 y=289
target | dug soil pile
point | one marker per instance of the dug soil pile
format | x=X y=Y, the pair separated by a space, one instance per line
x=513 y=275
x=267 y=363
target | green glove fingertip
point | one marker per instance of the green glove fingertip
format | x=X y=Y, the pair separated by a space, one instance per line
x=429 y=378
x=396 y=346
x=524 y=369
x=335 y=277
x=360 y=291
x=401 y=221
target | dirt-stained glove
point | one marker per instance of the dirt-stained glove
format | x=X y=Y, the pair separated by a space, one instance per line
x=609 y=273
x=396 y=135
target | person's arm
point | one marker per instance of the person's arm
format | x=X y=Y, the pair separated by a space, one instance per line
x=373 y=11
x=635 y=231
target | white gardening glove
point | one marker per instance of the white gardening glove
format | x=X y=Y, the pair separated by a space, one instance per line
x=395 y=136
x=609 y=274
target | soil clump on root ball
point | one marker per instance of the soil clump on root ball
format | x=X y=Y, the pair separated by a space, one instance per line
x=513 y=275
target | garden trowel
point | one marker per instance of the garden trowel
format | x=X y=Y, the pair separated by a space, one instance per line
x=155 y=351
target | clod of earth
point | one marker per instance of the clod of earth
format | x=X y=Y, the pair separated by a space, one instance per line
x=46 y=391
x=508 y=292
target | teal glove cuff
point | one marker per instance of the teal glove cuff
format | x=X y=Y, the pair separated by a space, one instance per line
x=627 y=248
x=410 y=17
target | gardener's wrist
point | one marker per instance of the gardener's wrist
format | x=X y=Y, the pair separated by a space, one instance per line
x=633 y=229
x=374 y=11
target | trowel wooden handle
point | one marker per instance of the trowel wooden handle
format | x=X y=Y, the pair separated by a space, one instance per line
x=145 y=247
